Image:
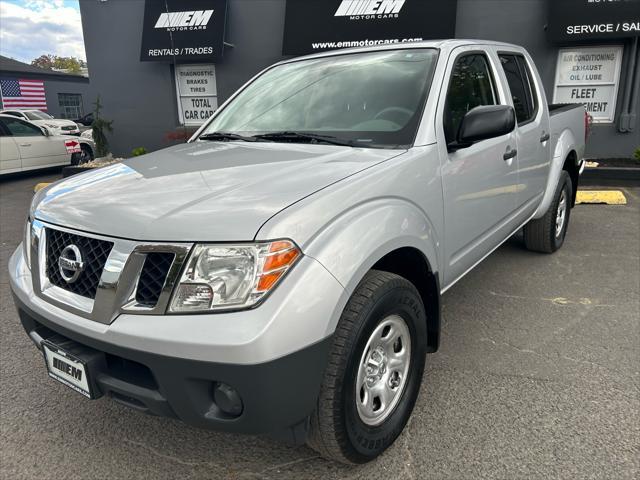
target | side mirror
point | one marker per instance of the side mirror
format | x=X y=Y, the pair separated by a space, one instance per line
x=45 y=131
x=488 y=121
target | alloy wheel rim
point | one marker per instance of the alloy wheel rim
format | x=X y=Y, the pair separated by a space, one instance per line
x=561 y=214
x=383 y=370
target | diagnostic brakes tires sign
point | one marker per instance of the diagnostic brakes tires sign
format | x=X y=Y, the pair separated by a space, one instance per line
x=317 y=25
x=183 y=30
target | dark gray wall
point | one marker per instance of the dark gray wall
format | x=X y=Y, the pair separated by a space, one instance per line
x=141 y=99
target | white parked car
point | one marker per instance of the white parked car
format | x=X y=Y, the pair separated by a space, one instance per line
x=56 y=126
x=26 y=146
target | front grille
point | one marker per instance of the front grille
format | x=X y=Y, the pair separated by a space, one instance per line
x=68 y=128
x=94 y=256
x=152 y=277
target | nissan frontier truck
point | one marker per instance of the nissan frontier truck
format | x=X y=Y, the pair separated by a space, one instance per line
x=281 y=272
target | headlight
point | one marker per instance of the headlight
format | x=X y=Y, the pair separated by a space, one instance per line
x=219 y=277
x=26 y=243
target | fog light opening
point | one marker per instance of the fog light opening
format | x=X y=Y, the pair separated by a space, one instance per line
x=227 y=399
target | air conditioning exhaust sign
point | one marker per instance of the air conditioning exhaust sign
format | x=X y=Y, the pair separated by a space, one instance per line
x=184 y=30
x=317 y=25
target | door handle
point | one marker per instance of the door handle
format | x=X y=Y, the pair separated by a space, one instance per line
x=509 y=154
x=25 y=144
x=544 y=137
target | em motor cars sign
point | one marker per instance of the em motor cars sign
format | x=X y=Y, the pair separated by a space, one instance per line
x=589 y=75
x=197 y=94
x=183 y=30
x=317 y=25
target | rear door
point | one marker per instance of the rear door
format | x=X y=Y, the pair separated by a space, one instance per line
x=36 y=149
x=533 y=131
x=9 y=155
x=479 y=183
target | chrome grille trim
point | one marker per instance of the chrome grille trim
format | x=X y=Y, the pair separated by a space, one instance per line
x=117 y=287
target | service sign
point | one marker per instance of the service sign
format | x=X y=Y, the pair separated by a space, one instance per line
x=183 y=30
x=589 y=75
x=317 y=25
x=593 y=19
x=196 y=92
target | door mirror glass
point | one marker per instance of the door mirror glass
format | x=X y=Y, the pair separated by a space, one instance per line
x=485 y=122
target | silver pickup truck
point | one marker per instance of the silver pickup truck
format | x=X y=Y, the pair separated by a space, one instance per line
x=281 y=272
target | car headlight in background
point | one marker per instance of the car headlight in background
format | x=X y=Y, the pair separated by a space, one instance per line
x=223 y=277
x=26 y=243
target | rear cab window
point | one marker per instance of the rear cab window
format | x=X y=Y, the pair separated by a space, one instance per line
x=521 y=85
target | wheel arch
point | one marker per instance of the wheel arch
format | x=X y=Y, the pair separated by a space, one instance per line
x=391 y=235
x=572 y=167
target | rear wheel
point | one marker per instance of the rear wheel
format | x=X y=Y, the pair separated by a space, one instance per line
x=85 y=156
x=374 y=372
x=547 y=234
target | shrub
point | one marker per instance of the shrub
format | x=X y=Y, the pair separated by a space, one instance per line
x=100 y=127
x=637 y=153
x=136 y=152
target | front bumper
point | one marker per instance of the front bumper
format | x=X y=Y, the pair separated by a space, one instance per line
x=274 y=356
x=277 y=396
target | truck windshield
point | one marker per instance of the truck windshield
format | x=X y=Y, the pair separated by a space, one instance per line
x=366 y=99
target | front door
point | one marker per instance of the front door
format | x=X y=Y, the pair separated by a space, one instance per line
x=480 y=182
x=36 y=149
x=9 y=156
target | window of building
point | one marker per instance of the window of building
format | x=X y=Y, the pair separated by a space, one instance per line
x=471 y=85
x=70 y=105
x=521 y=86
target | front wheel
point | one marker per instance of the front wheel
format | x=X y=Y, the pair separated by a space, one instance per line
x=374 y=371
x=547 y=234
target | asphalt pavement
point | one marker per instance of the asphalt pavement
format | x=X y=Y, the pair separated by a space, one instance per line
x=538 y=376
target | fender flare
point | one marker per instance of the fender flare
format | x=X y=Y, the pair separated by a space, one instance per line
x=564 y=146
x=352 y=243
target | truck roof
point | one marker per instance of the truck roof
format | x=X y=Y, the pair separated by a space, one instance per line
x=447 y=44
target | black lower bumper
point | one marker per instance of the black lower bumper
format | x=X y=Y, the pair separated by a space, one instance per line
x=277 y=397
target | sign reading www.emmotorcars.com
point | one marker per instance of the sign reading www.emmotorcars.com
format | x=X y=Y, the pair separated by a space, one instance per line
x=185 y=30
x=317 y=25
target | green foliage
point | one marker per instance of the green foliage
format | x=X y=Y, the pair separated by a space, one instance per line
x=51 y=62
x=136 y=152
x=100 y=127
x=637 y=153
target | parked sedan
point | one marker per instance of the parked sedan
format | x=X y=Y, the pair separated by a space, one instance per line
x=86 y=120
x=26 y=146
x=56 y=126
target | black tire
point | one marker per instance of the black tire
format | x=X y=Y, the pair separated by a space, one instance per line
x=540 y=235
x=84 y=157
x=337 y=431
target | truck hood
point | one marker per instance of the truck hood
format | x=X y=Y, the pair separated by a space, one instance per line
x=202 y=191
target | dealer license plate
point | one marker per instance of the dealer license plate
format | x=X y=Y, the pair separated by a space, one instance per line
x=65 y=368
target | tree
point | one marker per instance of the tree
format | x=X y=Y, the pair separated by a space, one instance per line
x=51 y=62
x=99 y=128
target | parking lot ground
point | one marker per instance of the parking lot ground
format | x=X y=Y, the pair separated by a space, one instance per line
x=538 y=376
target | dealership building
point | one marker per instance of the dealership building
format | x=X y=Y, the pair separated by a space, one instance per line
x=161 y=68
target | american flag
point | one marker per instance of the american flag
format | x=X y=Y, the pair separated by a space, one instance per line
x=23 y=94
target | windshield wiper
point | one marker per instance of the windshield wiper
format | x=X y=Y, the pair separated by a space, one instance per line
x=226 y=136
x=310 y=137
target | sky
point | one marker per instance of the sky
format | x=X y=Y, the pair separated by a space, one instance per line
x=30 y=28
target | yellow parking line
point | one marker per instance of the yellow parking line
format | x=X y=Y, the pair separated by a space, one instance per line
x=40 y=186
x=608 y=197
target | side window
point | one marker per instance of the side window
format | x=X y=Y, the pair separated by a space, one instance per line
x=18 y=128
x=3 y=129
x=471 y=85
x=521 y=86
